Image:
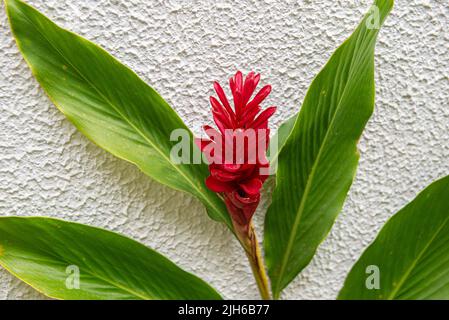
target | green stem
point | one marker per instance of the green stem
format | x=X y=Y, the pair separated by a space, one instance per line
x=248 y=239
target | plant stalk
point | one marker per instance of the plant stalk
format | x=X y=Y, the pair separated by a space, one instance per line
x=248 y=239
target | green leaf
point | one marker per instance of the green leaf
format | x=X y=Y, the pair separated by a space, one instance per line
x=279 y=140
x=48 y=253
x=410 y=256
x=108 y=102
x=318 y=162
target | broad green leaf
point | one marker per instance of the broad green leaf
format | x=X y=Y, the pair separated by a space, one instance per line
x=48 y=254
x=409 y=259
x=279 y=140
x=318 y=161
x=108 y=102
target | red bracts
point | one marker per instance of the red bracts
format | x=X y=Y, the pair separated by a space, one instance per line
x=237 y=150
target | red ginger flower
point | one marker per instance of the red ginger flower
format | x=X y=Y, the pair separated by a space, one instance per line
x=238 y=177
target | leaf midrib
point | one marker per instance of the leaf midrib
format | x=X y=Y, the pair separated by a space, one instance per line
x=414 y=263
x=300 y=211
x=61 y=259
x=91 y=273
x=119 y=113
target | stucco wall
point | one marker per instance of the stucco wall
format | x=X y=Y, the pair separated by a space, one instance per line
x=47 y=168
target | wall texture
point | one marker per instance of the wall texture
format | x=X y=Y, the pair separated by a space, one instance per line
x=47 y=168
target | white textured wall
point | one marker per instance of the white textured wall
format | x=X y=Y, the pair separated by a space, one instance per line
x=47 y=168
